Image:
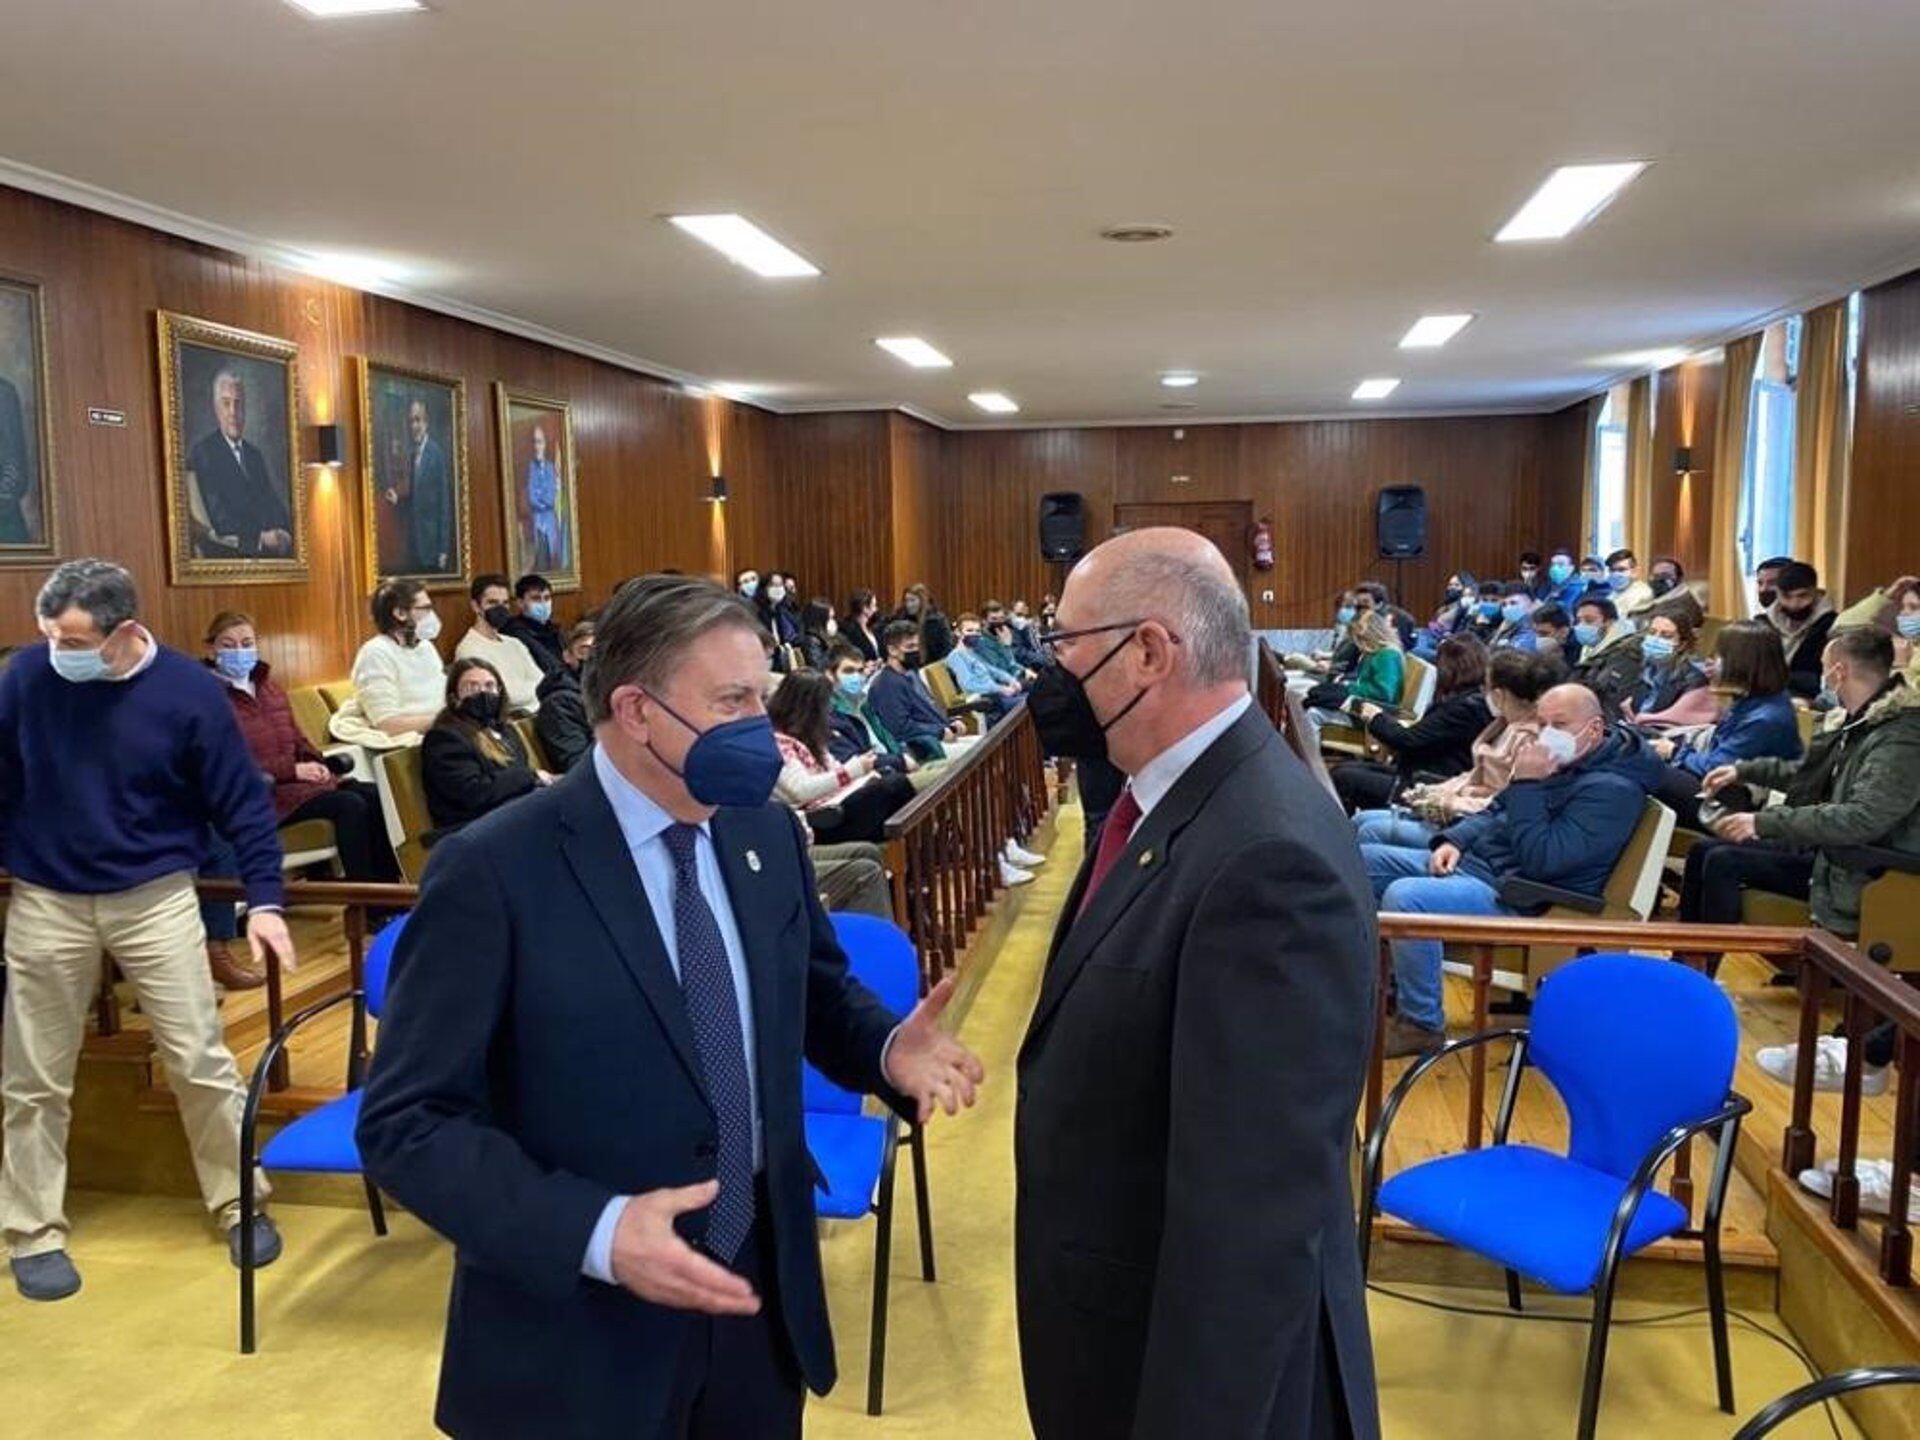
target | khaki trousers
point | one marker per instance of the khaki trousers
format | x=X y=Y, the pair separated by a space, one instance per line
x=53 y=943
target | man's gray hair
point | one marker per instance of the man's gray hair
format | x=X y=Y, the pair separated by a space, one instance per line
x=228 y=377
x=645 y=629
x=101 y=588
x=1196 y=601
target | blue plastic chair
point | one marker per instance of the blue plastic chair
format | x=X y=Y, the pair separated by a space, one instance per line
x=855 y=1151
x=1641 y=1052
x=321 y=1141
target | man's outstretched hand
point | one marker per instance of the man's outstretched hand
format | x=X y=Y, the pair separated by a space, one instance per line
x=929 y=1065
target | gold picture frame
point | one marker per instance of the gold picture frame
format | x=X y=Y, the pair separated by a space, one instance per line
x=239 y=524
x=29 y=493
x=541 y=529
x=395 y=464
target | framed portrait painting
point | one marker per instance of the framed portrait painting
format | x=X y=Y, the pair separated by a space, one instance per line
x=536 y=454
x=413 y=463
x=229 y=414
x=27 y=510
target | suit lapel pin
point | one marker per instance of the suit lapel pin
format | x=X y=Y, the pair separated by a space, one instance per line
x=1146 y=858
x=753 y=861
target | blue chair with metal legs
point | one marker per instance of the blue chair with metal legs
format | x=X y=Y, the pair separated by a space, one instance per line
x=1641 y=1051
x=853 y=1151
x=320 y=1141
x=1826 y=1388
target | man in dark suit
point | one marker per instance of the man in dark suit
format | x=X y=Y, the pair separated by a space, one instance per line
x=425 y=498
x=1185 y=1248
x=245 y=513
x=16 y=474
x=589 y=1073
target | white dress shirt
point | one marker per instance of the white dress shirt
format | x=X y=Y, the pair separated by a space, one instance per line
x=1159 y=775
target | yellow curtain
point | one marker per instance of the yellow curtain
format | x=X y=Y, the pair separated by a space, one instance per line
x=1726 y=584
x=1821 y=445
x=1639 y=516
x=1589 y=458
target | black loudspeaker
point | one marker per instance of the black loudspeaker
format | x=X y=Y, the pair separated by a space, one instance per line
x=1063 y=525
x=1401 y=522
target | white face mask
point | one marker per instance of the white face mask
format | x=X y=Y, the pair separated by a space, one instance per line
x=833 y=628
x=1559 y=744
x=427 y=627
x=776 y=593
x=748 y=584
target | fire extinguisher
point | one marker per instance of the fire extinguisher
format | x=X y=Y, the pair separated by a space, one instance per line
x=1262 y=542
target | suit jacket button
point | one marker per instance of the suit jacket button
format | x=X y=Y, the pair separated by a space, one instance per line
x=706 y=1150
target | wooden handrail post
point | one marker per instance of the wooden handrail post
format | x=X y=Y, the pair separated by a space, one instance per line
x=1477 y=1057
x=1896 y=1237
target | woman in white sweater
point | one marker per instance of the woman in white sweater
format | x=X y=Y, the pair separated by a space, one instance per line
x=398 y=674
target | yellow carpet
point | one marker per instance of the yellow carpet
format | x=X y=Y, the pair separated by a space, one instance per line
x=350 y=1325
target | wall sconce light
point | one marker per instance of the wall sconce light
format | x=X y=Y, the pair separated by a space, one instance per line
x=331 y=446
x=717 y=494
x=1683 y=460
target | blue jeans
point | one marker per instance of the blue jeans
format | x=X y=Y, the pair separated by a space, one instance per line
x=1401 y=882
x=1387 y=827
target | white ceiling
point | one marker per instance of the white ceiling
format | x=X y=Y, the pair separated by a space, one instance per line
x=1333 y=171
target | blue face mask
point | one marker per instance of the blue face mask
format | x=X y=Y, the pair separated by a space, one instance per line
x=1657 y=648
x=1489 y=609
x=1559 y=572
x=1618 y=580
x=1344 y=615
x=1909 y=625
x=735 y=763
x=540 y=611
x=236 y=664
x=853 y=686
x=1586 y=634
x=1514 y=611
x=78 y=666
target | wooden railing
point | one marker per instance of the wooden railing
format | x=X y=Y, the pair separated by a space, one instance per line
x=1289 y=717
x=943 y=847
x=1867 y=994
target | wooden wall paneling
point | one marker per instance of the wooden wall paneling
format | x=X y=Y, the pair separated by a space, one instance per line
x=1883 y=530
x=834 y=503
x=1686 y=412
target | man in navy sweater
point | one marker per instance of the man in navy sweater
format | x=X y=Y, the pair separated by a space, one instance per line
x=117 y=756
x=901 y=703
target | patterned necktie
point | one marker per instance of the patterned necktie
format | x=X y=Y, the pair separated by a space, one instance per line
x=713 y=1008
x=1114 y=835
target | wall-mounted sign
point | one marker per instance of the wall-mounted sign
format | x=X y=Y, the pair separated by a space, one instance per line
x=100 y=415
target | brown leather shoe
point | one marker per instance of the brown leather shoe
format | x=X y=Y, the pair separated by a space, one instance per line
x=1404 y=1038
x=229 y=971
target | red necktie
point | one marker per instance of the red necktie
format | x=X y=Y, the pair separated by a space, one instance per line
x=1114 y=835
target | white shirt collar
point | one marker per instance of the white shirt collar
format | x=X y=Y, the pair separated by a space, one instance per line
x=1160 y=774
x=145 y=662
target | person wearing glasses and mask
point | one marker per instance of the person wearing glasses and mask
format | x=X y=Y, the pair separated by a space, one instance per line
x=1629 y=591
x=398 y=676
x=1218 y=942
x=472 y=761
x=589 y=1075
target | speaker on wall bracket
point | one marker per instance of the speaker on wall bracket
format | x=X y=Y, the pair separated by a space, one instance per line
x=1400 y=522
x=1063 y=525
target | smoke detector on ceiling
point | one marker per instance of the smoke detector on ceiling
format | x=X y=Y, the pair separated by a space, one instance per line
x=1136 y=234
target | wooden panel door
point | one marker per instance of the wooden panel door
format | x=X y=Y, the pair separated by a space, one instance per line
x=1226 y=523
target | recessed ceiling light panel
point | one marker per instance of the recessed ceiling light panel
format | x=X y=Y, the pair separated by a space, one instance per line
x=1568 y=199
x=340 y=9
x=915 y=351
x=993 y=402
x=1430 y=332
x=1179 y=379
x=746 y=244
x=1377 y=389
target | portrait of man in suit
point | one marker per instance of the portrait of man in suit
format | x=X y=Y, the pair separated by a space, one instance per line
x=242 y=509
x=24 y=488
x=417 y=465
x=537 y=453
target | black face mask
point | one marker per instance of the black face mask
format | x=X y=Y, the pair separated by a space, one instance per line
x=482 y=707
x=1453 y=594
x=1064 y=716
x=1663 y=583
x=1796 y=615
x=910 y=659
x=497 y=616
x=1767 y=596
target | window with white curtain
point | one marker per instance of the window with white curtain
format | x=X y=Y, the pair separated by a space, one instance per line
x=1766 y=477
x=1607 y=525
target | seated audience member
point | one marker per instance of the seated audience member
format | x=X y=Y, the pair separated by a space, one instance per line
x=852 y=877
x=1553 y=634
x=1516 y=620
x=1766 y=577
x=1759 y=723
x=1804 y=618
x=1405 y=627
x=775 y=603
x=1565 y=583
x=518 y=672
x=903 y=705
x=304 y=785
x=1487 y=615
x=996 y=645
x=1629 y=591
x=398 y=676
x=1376 y=678
x=917 y=605
x=1027 y=648
x=1665 y=576
x=1896 y=610
x=1609 y=663
x=862 y=627
x=532 y=622
x=976 y=675
x=1515 y=683
x=852 y=730
x=1593 y=574
x=1049 y=605
x=1454 y=615
x=472 y=761
x=561 y=722
x=1437 y=745
x=1533 y=576
x=1669 y=672
x=747 y=582
x=1342 y=657
x=813 y=782
x=818 y=630
x=1573 y=802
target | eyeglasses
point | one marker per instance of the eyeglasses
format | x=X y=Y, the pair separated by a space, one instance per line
x=1053 y=639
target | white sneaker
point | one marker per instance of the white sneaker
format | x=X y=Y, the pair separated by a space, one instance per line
x=1021 y=856
x=1876 y=1186
x=1829 y=1066
x=1011 y=874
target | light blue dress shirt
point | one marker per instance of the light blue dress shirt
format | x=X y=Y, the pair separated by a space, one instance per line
x=644 y=824
x=975 y=674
